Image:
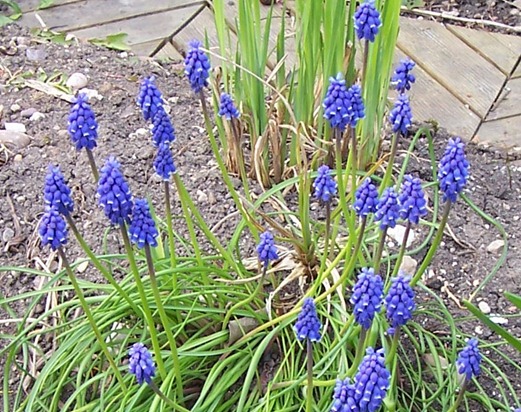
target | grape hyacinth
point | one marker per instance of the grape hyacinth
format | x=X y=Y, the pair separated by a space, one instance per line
x=162 y=129
x=197 y=66
x=308 y=325
x=400 y=116
x=324 y=185
x=52 y=229
x=343 y=106
x=82 y=128
x=453 y=170
x=164 y=162
x=367 y=21
x=469 y=360
x=344 y=397
x=412 y=200
x=56 y=193
x=366 y=198
x=114 y=193
x=141 y=364
x=142 y=229
x=371 y=381
x=399 y=301
x=367 y=297
x=387 y=209
x=356 y=109
x=227 y=108
x=403 y=78
x=149 y=98
x=266 y=249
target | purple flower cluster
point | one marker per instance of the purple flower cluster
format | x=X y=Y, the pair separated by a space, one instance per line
x=387 y=209
x=82 y=128
x=114 y=193
x=164 y=161
x=324 y=185
x=56 y=193
x=366 y=198
x=308 y=325
x=141 y=364
x=469 y=360
x=227 y=108
x=367 y=297
x=52 y=229
x=367 y=21
x=403 y=78
x=149 y=98
x=401 y=115
x=344 y=397
x=399 y=302
x=197 y=66
x=412 y=200
x=343 y=106
x=453 y=170
x=266 y=248
x=142 y=229
x=162 y=129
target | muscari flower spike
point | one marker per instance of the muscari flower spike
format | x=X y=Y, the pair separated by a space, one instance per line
x=164 y=161
x=142 y=229
x=82 y=127
x=399 y=301
x=367 y=297
x=367 y=21
x=412 y=200
x=197 y=66
x=371 y=381
x=469 y=360
x=53 y=230
x=344 y=396
x=402 y=77
x=324 y=185
x=453 y=170
x=149 y=98
x=56 y=193
x=366 y=198
x=387 y=209
x=308 y=325
x=114 y=193
x=343 y=106
x=266 y=249
x=400 y=116
x=162 y=129
x=227 y=108
x=141 y=364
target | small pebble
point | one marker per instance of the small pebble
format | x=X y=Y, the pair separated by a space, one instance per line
x=8 y=234
x=484 y=307
x=15 y=127
x=36 y=117
x=28 y=112
x=498 y=320
x=495 y=246
x=77 y=81
x=35 y=53
x=15 y=108
x=18 y=158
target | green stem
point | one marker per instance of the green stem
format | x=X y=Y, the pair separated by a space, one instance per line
x=92 y=164
x=144 y=301
x=98 y=265
x=359 y=239
x=309 y=392
x=403 y=248
x=461 y=394
x=390 y=164
x=169 y=401
x=434 y=246
x=234 y=125
x=378 y=255
x=365 y=60
x=166 y=322
x=171 y=238
x=360 y=352
x=92 y=322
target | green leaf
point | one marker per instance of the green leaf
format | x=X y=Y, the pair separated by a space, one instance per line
x=513 y=341
x=515 y=299
x=4 y=21
x=17 y=11
x=113 y=42
x=413 y=4
x=45 y=4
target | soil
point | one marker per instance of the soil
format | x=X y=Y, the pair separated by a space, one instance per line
x=461 y=263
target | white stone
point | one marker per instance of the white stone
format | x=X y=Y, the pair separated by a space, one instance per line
x=484 y=307
x=478 y=330
x=15 y=108
x=499 y=320
x=398 y=232
x=14 y=139
x=202 y=197
x=409 y=265
x=495 y=246
x=15 y=127
x=36 y=117
x=77 y=81
x=91 y=94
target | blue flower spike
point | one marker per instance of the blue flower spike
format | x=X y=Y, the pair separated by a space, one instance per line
x=343 y=106
x=52 y=229
x=366 y=198
x=266 y=248
x=367 y=21
x=114 y=193
x=399 y=301
x=142 y=229
x=344 y=396
x=162 y=129
x=56 y=193
x=82 y=127
x=149 y=99
x=453 y=170
x=164 y=162
x=227 y=108
x=400 y=116
x=308 y=325
x=403 y=78
x=387 y=209
x=141 y=364
x=324 y=185
x=469 y=360
x=412 y=200
x=197 y=66
x=356 y=109
x=367 y=297
x=371 y=381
